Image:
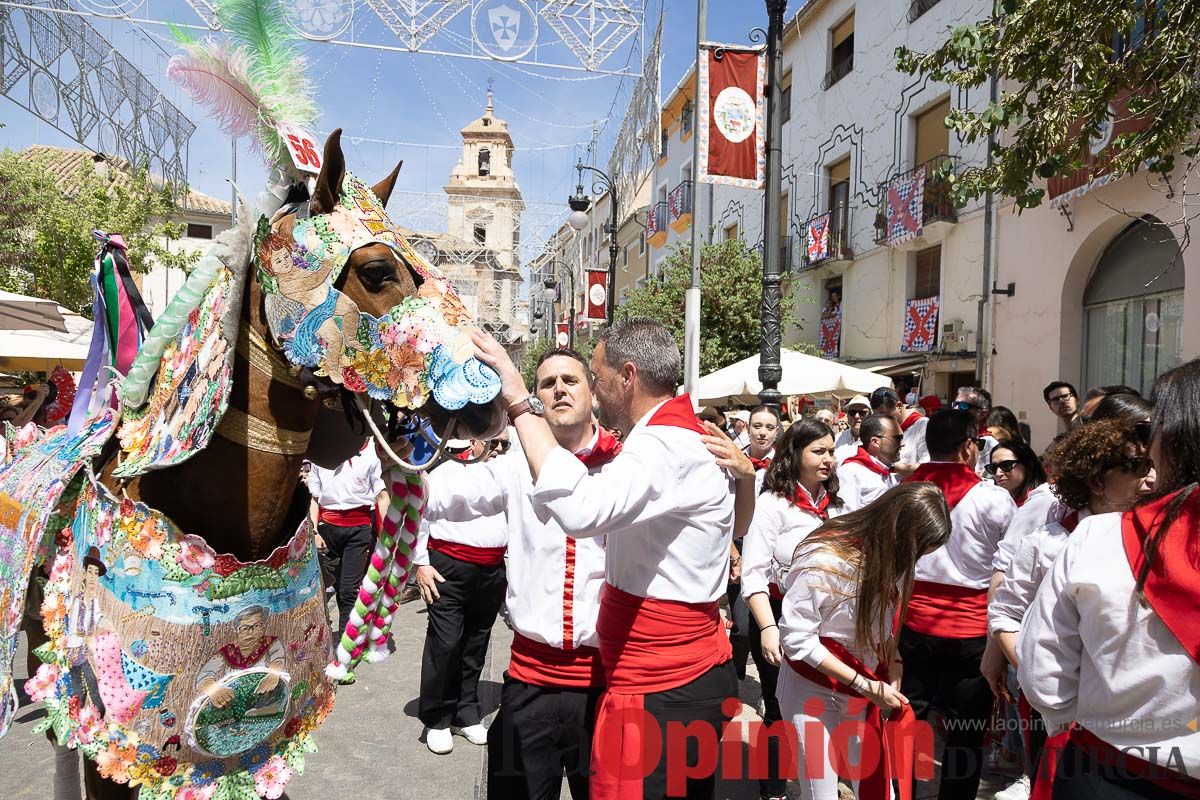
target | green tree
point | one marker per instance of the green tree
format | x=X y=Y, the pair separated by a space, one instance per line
x=46 y=224
x=730 y=301
x=1061 y=65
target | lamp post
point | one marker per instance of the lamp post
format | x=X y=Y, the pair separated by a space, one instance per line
x=769 y=370
x=551 y=293
x=580 y=204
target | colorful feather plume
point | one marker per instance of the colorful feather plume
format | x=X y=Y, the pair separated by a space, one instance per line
x=253 y=81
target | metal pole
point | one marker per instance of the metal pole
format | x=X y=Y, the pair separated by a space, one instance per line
x=612 y=254
x=769 y=370
x=571 y=329
x=985 y=294
x=691 y=324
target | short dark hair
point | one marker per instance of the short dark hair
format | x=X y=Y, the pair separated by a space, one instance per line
x=883 y=397
x=648 y=345
x=1052 y=385
x=566 y=352
x=1110 y=389
x=947 y=429
x=875 y=425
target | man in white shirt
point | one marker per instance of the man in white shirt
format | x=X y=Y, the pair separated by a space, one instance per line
x=866 y=475
x=554 y=583
x=978 y=403
x=460 y=574
x=345 y=501
x=846 y=443
x=665 y=507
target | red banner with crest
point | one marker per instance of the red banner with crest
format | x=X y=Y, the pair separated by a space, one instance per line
x=596 y=308
x=731 y=116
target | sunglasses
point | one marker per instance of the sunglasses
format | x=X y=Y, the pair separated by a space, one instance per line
x=979 y=441
x=501 y=446
x=963 y=405
x=996 y=466
x=857 y=412
x=1139 y=467
x=1061 y=398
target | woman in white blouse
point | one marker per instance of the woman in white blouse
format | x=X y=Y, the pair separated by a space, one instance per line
x=838 y=628
x=799 y=492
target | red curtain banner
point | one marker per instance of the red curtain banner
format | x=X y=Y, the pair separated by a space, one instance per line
x=564 y=334
x=596 y=309
x=732 y=117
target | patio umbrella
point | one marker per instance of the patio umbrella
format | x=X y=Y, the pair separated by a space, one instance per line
x=802 y=374
x=43 y=350
x=21 y=313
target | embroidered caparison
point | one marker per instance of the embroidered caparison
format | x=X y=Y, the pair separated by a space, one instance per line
x=420 y=347
x=173 y=666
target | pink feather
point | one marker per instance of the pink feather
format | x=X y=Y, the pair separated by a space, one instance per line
x=217 y=78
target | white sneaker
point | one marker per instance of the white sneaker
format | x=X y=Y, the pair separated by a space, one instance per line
x=475 y=734
x=439 y=740
x=1017 y=790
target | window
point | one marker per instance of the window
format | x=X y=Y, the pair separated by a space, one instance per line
x=731 y=232
x=841 y=53
x=485 y=161
x=839 y=202
x=665 y=139
x=932 y=135
x=197 y=231
x=642 y=244
x=927 y=273
x=480 y=234
x=686 y=119
x=625 y=257
x=785 y=100
x=516 y=240
x=1134 y=332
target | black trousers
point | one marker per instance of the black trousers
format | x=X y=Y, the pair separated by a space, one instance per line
x=456 y=640
x=350 y=546
x=944 y=674
x=1080 y=776
x=768 y=678
x=539 y=735
x=701 y=701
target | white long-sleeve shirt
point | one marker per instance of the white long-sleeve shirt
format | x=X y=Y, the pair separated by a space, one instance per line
x=354 y=483
x=1091 y=653
x=549 y=595
x=777 y=527
x=819 y=600
x=476 y=530
x=1029 y=567
x=663 y=504
x=912 y=447
x=1040 y=508
x=859 y=486
x=977 y=524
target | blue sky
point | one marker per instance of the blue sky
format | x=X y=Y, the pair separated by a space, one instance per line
x=422 y=100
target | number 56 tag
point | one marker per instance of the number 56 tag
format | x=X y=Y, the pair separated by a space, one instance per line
x=302 y=146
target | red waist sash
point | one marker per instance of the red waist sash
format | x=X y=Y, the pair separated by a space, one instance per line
x=646 y=646
x=894 y=735
x=1104 y=753
x=346 y=517
x=480 y=556
x=951 y=612
x=540 y=664
x=775 y=591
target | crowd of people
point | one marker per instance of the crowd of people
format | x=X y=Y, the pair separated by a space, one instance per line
x=899 y=571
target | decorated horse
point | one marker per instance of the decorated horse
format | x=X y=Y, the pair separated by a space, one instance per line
x=188 y=652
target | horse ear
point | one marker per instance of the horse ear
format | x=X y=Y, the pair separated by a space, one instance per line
x=383 y=189
x=329 y=182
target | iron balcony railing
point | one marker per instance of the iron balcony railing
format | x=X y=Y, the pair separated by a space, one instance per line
x=787 y=261
x=837 y=72
x=679 y=201
x=937 y=204
x=826 y=237
x=918 y=7
x=656 y=218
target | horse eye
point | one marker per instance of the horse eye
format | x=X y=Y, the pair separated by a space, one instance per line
x=376 y=273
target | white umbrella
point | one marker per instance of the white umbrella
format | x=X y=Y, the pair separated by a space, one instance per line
x=802 y=374
x=43 y=350
x=19 y=312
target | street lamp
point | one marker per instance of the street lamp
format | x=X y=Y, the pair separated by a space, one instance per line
x=580 y=204
x=550 y=292
x=770 y=372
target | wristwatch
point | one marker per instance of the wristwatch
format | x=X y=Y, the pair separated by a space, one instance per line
x=530 y=404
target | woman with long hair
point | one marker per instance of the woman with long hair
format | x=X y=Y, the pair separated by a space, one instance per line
x=846 y=584
x=799 y=493
x=1002 y=424
x=1015 y=468
x=1112 y=637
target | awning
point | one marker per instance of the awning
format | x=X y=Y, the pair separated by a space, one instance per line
x=892 y=366
x=43 y=350
x=19 y=312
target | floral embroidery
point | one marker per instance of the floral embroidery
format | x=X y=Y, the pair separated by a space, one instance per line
x=114 y=762
x=272 y=777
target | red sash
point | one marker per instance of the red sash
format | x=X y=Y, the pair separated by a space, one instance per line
x=954 y=479
x=677 y=412
x=775 y=591
x=1173 y=584
x=863 y=458
x=646 y=646
x=541 y=664
x=1104 y=753
x=948 y=611
x=897 y=748
x=480 y=556
x=346 y=517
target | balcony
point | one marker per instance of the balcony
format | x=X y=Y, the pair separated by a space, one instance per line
x=918 y=7
x=787 y=252
x=837 y=72
x=826 y=238
x=937 y=207
x=679 y=206
x=656 y=224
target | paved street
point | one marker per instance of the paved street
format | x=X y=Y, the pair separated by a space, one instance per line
x=370 y=747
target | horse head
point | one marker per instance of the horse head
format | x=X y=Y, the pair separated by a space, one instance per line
x=347 y=299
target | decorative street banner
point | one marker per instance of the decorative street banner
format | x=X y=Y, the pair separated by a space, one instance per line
x=730 y=116
x=829 y=336
x=596 y=309
x=818 y=238
x=920 y=325
x=1094 y=170
x=905 y=207
x=563 y=338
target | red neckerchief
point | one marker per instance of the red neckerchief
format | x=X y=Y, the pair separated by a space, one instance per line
x=677 y=412
x=802 y=501
x=465 y=455
x=983 y=431
x=234 y=658
x=1173 y=584
x=909 y=421
x=863 y=458
x=604 y=451
x=1021 y=500
x=954 y=479
x=760 y=463
x=1071 y=521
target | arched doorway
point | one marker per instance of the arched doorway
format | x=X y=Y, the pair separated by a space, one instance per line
x=1133 y=308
